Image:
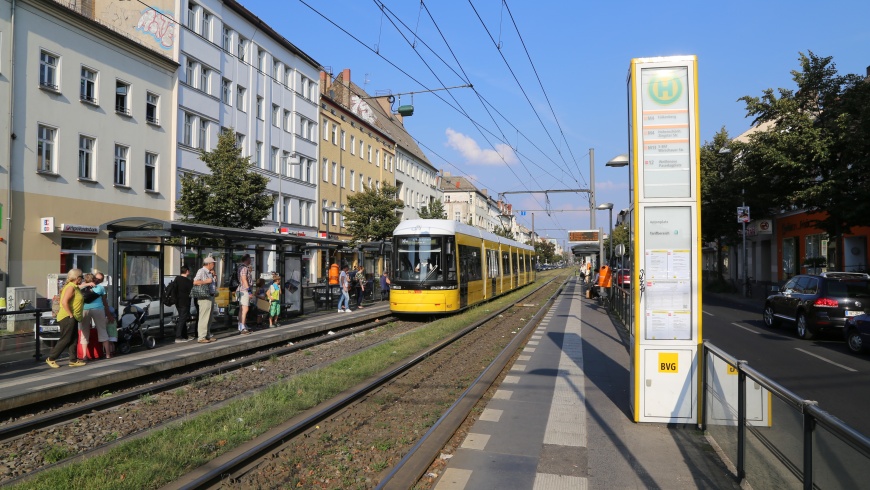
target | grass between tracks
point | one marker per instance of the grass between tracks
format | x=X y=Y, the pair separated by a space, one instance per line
x=161 y=457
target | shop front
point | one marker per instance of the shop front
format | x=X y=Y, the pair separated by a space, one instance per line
x=805 y=249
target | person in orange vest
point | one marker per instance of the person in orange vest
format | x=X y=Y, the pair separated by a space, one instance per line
x=605 y=279
x=333 y=274
x=588 y=272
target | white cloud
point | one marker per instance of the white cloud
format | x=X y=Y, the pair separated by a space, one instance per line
x=474 y=154
x=611 y=185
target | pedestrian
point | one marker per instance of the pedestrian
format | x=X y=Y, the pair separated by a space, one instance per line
x=361 y=290
x=205 y=302
x=244 y=294
x=261 y=294
x=385 y=285
x=274 y=300
x=344 y=285
x=96 y=313
x=183 y=286
x=68 y=317
x=352 y=284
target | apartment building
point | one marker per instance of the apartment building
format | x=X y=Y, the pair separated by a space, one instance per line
x=90 y=114
x=237 y=73
x=465 y=203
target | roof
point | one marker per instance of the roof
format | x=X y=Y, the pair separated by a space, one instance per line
x=414 y=227
x=386 y=122
x=262 y=26
x=455 y=183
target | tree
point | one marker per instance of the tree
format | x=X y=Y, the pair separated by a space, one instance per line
x=371 y=214
x=545 y=250
x=620 y=236
x=433 y=210
x=720 y=194
x=504 y=232
x=232 y=195
x=815 y=153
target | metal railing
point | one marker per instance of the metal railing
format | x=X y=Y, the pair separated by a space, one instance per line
x=37 y=329
x=776 y=438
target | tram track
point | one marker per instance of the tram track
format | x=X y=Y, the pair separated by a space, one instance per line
x=243 y=466
x=20 y=436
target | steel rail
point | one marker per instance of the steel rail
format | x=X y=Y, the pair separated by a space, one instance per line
x=235 y=463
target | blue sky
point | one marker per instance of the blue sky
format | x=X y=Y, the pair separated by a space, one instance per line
x=581 y=51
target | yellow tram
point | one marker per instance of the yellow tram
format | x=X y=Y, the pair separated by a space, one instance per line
x=440 y=266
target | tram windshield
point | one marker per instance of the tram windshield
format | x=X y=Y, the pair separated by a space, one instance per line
x=419 y=259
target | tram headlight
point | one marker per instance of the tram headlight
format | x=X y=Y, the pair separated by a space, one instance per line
x=395 y=286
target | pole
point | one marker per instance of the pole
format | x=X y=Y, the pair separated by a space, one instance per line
x=745 y=262
x=592 y=188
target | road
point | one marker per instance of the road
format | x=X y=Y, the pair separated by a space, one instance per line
x=822 y=370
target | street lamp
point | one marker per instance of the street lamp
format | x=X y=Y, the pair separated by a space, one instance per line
x=618 y=161
x=331 y=210
x=609 y=207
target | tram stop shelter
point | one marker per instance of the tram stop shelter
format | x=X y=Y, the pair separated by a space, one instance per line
x=138 y=249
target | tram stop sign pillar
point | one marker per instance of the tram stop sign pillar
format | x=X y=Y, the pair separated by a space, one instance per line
x=666 y=229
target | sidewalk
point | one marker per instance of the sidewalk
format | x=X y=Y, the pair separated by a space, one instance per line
x=561 y=419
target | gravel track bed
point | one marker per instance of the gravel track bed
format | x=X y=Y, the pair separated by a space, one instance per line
x=358 y=446
x=40 y=448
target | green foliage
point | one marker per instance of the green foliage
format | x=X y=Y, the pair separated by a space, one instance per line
x=545 y=251
x=433 y=210
x=815 y=154
x=232 y=195
x=620 y=236
x=722 y=180
x=371 y=214
x=504 y=232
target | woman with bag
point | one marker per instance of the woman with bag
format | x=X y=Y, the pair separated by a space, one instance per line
x=69 y=316
x=96 y=312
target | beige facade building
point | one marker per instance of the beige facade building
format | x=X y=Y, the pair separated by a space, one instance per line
x=92 y=133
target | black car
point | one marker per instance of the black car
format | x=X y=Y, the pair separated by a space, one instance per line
x=819 y=303
x=857 y=333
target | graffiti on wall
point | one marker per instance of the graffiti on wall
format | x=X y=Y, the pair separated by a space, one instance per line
x=158 y=25
x=152 y=26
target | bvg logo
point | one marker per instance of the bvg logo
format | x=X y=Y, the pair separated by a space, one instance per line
x=665 y=90
x=669 y=362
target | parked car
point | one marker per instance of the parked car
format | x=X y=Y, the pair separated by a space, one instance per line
x=623 y=278
x=857 y=333
x=819 y=303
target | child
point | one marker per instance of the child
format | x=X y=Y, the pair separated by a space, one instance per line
x=274 y=295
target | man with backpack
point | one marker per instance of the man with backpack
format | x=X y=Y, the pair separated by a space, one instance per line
x=179 y=293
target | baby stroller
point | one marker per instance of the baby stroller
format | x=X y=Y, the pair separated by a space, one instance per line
x=131 y=323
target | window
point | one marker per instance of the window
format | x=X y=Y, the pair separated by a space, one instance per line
x=48 y=70
x=312 y=92
x=361 y=148
x=312 y=131
x=276 y=116
x=343 y=135
x=150 y=171
x=334 y=134
x=370 y=153
x=342 y=177
x=241 y=101
x=122 y=91
x=352 y=180
x=323 y=208
x=206 y=25
x=187 y=132
x=45 y=149
x=370 y=183
x=228 y=40
x=226 y=91
x=458 y=217
x=204 y=75
x=121 y=165
x=362 y=183
x=334 y=173
x=288 y=77
x=151 y=104
x=241 y=47
x=304 y=87
x=240 y=140
x=378 y=158
x=261 y=60
x=259 y=107
x=88 y=90
x=325 y=130
x=390 y=164
x=325 y=172
x=86 y=157
x=276 y=70
x=202 y=141
x=334 y=220
x=191 y=16
x=288 y=121
x=190 y=72
x=258 y=158
x=352 y=145
x=77 y=253
x=285 y=164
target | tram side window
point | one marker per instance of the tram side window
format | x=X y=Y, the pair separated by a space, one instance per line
x=516 y=264
x=471 y=260
x=450 y=259
x=505 y=263
x=491 y=263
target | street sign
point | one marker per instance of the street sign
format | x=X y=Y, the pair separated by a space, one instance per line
x=743 y=214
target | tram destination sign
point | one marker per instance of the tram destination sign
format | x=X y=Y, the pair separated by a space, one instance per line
x=583 y=236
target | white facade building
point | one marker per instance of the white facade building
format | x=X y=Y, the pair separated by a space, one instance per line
x=89 y=111
x=416 y=179
x=237 y=73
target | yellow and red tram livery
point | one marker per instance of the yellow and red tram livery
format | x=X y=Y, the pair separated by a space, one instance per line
x=441 y=266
